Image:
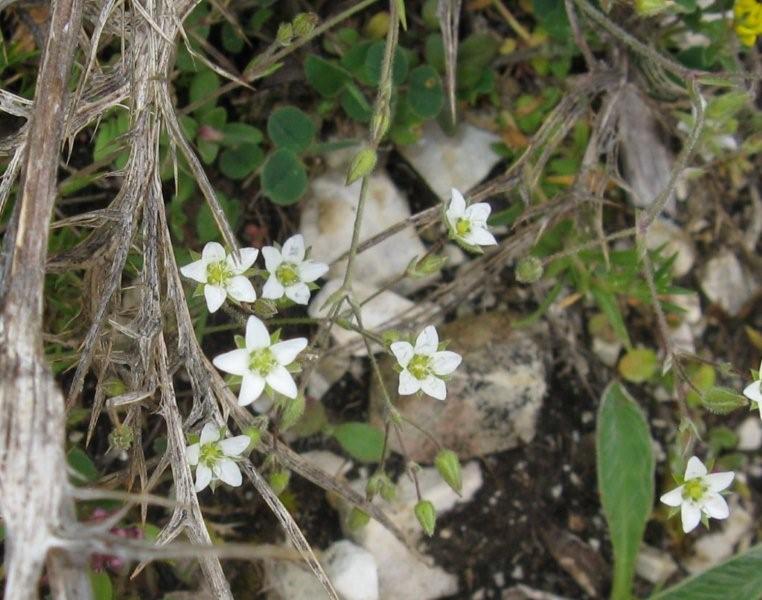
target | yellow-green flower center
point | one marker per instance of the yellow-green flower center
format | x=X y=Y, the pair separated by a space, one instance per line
x=694 y=489
x=262 y=361
x=287 y=274
x=463 y=226
x=218 y=273
x=420 y=366
x=210 y=454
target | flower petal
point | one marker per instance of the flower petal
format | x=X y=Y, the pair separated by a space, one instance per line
x=445 y=362
x=427 y=341
x=715 y=506
x=247 y=258
x=210 y=433
x=235 y=362
x=479 y=212
x=251 y=388
x=273 y=258
x=263 y=404
x=215 y=297
x=719 y=481
x=195 y=271
x=753 y=391
x=229 y=472
x=311 y=270
x=240 y=289
x=434 y=387
x=694 y=469
x=298 y=293
x=213 y=252
x=287 y=350
x=257 y=336
x=690 y=515
x=192 y=453
x=408 y=384
x=235 y=445
x=273 y=288
x=281 y=381
x=203 y=477
x=674 y=497
x=457 y=206
x=479 y=236
x=293 y=249
x=403 y=352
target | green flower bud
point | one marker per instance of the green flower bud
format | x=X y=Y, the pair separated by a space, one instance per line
x=379 y=124
x=427 y=516
x=448 y=465
x=529 y=269
x=291 y=412
x=357 y=518
x=362 y=164
x=304 y=24
x=285 y=34
x=122 y=437
x=264 y=308
x=380 y=484
x=114 y=387
x=278 y=480
x=428 y=265
x=722 y=400
x=648 y=8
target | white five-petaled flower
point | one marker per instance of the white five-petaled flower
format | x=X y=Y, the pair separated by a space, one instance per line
x=753 y=391
x=222 y=275
x=468 y=224
x=214 y=458
x=261 y=362
x=424 y=365
x=290 y=272
x=700 y=493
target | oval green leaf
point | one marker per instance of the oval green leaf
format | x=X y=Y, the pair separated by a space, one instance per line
x=426 y=94
x=238 y=163
x=638 y=365
x=327 y=77
x=361 y=441
x=291 y=128
x=284 y=179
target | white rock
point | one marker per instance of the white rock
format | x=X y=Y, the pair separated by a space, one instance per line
x=524 y=592
x=328 y=461
x=352 y=570
x=328 y=219
x=445 y=162
x=727 y=284
x=750 y=433
x=675 y=240
x=654 y=565
x=713 y=548
x=607 y=352
x=288 y=580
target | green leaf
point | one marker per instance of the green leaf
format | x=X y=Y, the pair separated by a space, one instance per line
x=739 y=578
x=638 y=365
x=327 y=77
x=231 y=39
x=238 y=163
x=291 y=128
x=374 y=60
x=426 y=95
x=552 y=16
x=101 y=586
x=723 y=400
x=607 y=302
x=237 y=134
x=202 y=86
x=284 y=179
x=474 y=56
x=355 y=104
x=206 y=227
x=625 y=478
x=360 y=440
x=81 y=463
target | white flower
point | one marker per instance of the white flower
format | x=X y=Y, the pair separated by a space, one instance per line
x=222 y=275
x=753 y=391
x=214 y=459
x=700 y=493
x=423 y=366
x=261 y=362
x=289 y=272
x=468 y=224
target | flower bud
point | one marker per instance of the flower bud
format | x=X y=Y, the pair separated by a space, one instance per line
x=379 y=124
x=362 y=164
x=357 y=518
x=264 y=308
x=285 y=34
x=278 y=480
x=722 y=400
x=426 y=515
x=529 y=269
x=122 y=437
x=292 y=411
x=304 y=24
x=448 y=465
x=648 y=8
x=114 y=387
x=428 y=265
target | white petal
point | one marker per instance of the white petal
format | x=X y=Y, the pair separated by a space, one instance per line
x=434 y=387
x=263 y=405
x=235 y=445
x=298 y=293
x=694 y=469
x=479 y=212
x=215 y=297
x=251 y=389
x=403 y=352
x=257 y=336
x=240 y=289
x=247 y=258
x=673 y=498
x=310 y=270
x=213 y=252
x=719 y=481
x=445 y=362
x=235 y=362
x=210 y=433
x=753 y=391
x=286 y=351
x=293 y=249
x=192 y=453
x=715 y=506
x=229 y=472
x=690 y=514
x=273 y=288
x=479 y=236
x=427 y=341
x=408 y=384
x=273 y=258
x=203 y=477
x=195 y=271
x=281 y=381
x=457 y=207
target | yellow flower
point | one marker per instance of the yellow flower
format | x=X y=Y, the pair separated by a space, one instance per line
x=748 y=20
